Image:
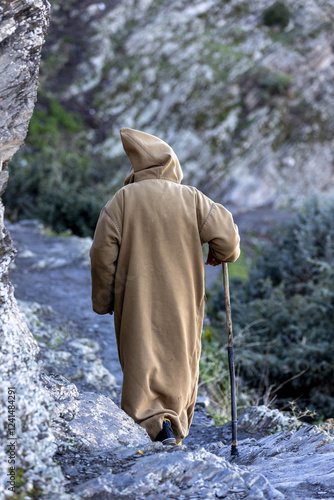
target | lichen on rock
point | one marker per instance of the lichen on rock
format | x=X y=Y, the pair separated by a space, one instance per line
x=259 y=419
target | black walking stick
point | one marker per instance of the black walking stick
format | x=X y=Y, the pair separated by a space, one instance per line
x=234 y=447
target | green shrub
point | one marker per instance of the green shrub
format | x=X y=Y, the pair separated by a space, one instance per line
x=274 y=82
x=213 y=371
x=59 y=187
x=56 y=178
x=277 y=14
x=214 y=378
x=283 y=315
x=50 y=120
x=266 y=84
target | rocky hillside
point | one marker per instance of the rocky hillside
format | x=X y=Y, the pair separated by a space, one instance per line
x=244 y=98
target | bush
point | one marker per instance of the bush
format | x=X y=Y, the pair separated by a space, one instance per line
x=49 y=120
x=59 y=188
x=274 y=82
x=277 y=14
x=283 y=315
x=56 y=178
x=214 y=378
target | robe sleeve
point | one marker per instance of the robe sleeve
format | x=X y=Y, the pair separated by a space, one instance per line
x=218 y=229
x=103 y=255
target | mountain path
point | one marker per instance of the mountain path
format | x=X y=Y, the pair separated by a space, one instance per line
x=55 y=271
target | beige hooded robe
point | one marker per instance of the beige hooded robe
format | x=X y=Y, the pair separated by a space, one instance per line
x=147 y=267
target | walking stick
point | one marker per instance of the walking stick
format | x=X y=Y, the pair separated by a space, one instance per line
x=234 y=447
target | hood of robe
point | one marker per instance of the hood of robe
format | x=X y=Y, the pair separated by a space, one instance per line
x=150 y=157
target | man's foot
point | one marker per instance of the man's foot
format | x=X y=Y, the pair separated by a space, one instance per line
x=166 y=436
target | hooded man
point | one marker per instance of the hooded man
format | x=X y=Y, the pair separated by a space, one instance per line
x=147 y=268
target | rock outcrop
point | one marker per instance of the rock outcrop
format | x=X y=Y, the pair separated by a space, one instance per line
x=293 y=456
x=105 y=455
x=27 y=442
x=102 y=435
x=245 y=105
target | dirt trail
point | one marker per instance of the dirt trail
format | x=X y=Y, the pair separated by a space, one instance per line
x=38 y=276
x=55 y=271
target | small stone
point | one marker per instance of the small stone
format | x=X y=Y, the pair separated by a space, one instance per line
x=203 y=401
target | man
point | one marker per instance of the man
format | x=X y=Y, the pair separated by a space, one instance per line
x=147 y=268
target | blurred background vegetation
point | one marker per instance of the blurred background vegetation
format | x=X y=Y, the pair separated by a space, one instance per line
x=57 y=178
x=243 y=92
x=283 y=317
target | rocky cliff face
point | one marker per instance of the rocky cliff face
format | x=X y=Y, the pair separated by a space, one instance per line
x=27 y=441
x=22 y=32
x=245 y=105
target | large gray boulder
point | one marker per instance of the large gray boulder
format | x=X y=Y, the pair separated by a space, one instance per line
x=181 y=474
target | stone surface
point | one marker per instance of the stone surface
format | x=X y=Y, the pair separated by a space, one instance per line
x=181 y=474
x=272 y=463
x=77 y=358
x=295 y=461
x=100 y=433
x=103 y=426
x=260 y=419
x=22 y=29
x=34 y=440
